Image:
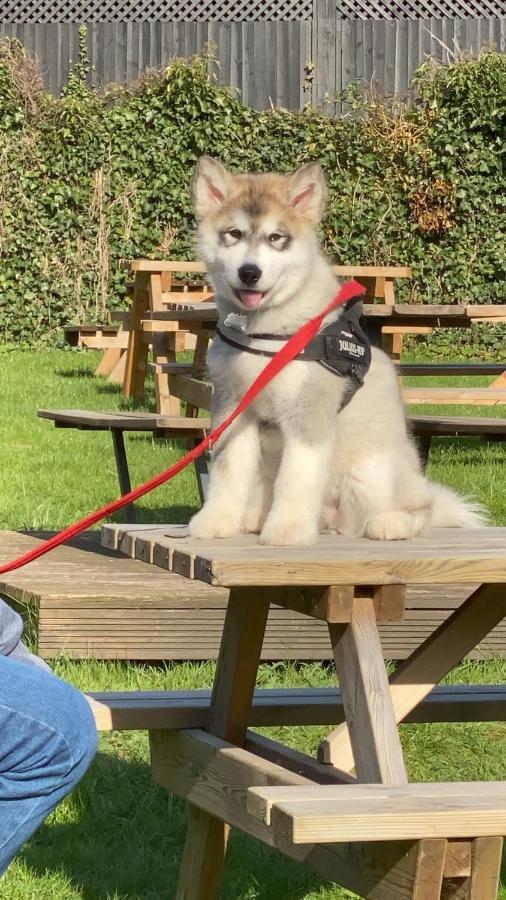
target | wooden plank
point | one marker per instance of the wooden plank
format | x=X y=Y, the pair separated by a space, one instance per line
x=295 y=761
x=263 y=799
x=458 y=859
x=164 y=265
x=406 y=329
x=154 y=265
x=192 y=390
x=182 y=297
x=370 y=717
x=147 y=710
x=234 y=683
x=109 y=361
x=486 y=858
x=104 y=342
x=450 y=368
x=176 y=368
x=198 y=372
x=97 y=420
x=449 y=425
x=487 y=311
x=117 y=373
x=454 y=395
x=137 y=351
x=154 y=327
x=335 y=604
x=373 y=271
x=370 y=820
x=440 y=556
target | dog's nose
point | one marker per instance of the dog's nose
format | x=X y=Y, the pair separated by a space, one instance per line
x=249 y=273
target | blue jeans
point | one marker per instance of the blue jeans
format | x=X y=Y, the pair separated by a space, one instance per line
x=47 y=741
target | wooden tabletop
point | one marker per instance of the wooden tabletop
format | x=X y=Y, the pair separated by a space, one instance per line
x=124 y=421
x=444 y=555
x=165 y=265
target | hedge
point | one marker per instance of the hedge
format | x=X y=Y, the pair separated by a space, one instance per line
x=90 y=178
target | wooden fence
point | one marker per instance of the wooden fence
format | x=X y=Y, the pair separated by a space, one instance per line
x=266 y=60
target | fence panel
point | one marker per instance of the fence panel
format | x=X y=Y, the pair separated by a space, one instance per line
x=265 y=60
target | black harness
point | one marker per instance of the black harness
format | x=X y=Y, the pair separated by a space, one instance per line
x=342 y=347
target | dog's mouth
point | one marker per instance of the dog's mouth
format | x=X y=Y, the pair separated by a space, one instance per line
x=250 y=299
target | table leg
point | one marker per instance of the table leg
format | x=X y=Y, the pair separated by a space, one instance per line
x=117 y=374
x=109 y=361
x=366 y=697
x=137 y=351
x=374 y=737
x=122 y=469
x=234 y=684
x=202 y=473
x=424 y=441
x=425 y=668
x=165 y=348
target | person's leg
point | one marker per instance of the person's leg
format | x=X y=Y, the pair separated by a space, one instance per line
x=47 y=741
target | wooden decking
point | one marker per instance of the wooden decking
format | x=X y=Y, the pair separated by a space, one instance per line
x=94 y=602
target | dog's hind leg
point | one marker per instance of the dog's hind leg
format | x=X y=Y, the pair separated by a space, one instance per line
x=382 y=499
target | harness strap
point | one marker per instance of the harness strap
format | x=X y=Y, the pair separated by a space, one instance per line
x=342 y=347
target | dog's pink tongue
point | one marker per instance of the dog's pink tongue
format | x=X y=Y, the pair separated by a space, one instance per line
x=251 y=299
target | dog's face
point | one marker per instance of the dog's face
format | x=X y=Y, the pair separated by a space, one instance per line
x=257 y=232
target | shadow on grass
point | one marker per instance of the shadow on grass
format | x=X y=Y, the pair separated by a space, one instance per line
x=75 y=372
x=119 y=835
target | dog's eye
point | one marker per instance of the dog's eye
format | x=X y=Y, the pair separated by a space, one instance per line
x=234 y=233
x=278 y=240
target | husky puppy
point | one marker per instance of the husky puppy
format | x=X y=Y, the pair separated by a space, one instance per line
x=299 y=459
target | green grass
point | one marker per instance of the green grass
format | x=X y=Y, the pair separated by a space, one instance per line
x=118 y=837
x=54 y=476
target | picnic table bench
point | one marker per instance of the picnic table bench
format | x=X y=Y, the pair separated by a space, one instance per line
x=351 y=814
x=173 y=427
x=113 y=339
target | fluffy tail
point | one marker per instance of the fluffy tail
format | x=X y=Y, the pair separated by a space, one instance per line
x=450 y=510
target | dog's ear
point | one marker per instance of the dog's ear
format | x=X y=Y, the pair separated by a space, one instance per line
x=211 y=184
x=308 y=192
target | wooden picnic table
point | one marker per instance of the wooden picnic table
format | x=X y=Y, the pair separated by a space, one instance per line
x=351 y=815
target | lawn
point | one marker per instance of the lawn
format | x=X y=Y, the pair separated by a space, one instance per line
x=118 y=837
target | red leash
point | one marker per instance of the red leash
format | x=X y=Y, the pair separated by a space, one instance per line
x=287 y=353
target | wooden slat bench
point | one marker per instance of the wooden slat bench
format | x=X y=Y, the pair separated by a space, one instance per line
x=373 y=812
x=424 y=428
x=451 y=396
x=152 y=710
x=113 y=339
x=459 y=368
x=173 y=427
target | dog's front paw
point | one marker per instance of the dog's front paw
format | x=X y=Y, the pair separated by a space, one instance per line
x=280 y=533
x=212 y=523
